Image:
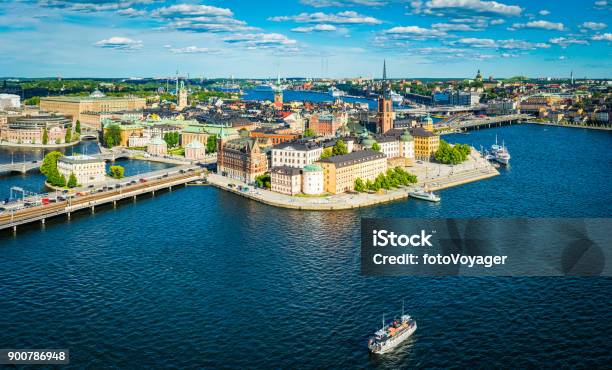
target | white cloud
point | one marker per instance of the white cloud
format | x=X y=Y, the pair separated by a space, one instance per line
x=510 y=44
x=346 y=17
x=318 y=27
x=454 y=27
x=602 y=37
x=562 y=57
x=545 y=25
x=465 y=6
x=565 y=42
x=92 y=6
x=261 y=40
x=496 y=22
x=194 y=50
x=601 y=4
x=330 y=3
x=414 y=32
x=190 y=11
x=544 y=12
x=131 y=12
x=119 y=43
x=595 y=26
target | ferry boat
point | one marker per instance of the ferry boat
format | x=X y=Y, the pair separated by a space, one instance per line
x=396 y=98
x=392 y=334
x=424 y=195
x=500 y=153
x=335 y=92
x=263 y=88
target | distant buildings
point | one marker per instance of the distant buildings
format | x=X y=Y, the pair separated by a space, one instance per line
x=30 y=129
x=195 y=151
x=296 y=154
x=501 y=107
x=241 y=159
x=341 y=171
x=74 y=106
x=157 y=146
x=276 y=136
x=9 y=101
x=88 y=170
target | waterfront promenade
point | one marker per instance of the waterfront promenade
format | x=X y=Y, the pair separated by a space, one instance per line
x=430 y=176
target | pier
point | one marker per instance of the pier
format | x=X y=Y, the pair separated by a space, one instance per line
x=12 y=219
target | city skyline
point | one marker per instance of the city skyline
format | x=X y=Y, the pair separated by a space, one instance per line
x=305 y=38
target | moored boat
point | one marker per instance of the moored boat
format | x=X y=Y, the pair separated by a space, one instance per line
x=392 y=334
x=424 y=195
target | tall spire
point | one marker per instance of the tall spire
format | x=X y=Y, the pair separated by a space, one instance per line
x=384 y=70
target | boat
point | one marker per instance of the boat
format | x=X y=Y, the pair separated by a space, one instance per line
x=424 y=195
x=500 y=153
x=392 y=334
x=263 y=88
x=335 y=92
x=396 y=98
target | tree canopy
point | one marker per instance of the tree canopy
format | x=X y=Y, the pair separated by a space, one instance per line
x=455 y=154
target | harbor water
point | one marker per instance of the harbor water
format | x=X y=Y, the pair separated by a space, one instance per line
x=201 y=278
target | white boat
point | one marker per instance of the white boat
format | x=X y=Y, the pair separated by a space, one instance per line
x=392 y=334
x=264 y=88
x=333 y=91
x=396 y=98
x=424 y=195
x=500 y=153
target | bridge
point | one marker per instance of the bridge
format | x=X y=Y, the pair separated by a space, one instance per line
x=447 y=110
x=21 y=167
x=13 y=219
x=89 y=134
x=466 y=124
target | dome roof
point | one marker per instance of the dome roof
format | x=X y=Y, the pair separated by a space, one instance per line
x=368 y=143
x=406 y=136
x=97 y=94
x=195 y=144
x=312 y=168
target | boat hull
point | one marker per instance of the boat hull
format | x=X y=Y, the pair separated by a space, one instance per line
x=424 y=197
x=392 y=343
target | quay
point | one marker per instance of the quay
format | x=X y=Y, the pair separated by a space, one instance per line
x=10 y=220
x=455 y=124
x=475 y=169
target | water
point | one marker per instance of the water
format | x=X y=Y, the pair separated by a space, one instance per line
x=34 y=181
x=199 y=278
x=312 y=96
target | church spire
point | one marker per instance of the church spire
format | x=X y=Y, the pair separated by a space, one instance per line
x=384 y=70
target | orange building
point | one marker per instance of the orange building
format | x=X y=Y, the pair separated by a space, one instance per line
x=276 y=136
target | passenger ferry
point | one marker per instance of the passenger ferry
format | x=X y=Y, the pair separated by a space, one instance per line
x=424 y=195
x=392 y=334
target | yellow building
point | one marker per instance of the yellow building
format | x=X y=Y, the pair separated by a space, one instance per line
x=341 y=171
x=426 y=143
x=541 y=102
x=75 y=106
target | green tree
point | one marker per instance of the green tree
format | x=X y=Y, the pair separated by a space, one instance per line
x=72 y=180
x=211 y=144
x=327 y=152
x=376 y=147
x=309 y=133
x=68 y=137
x=61 y=181
x=45 y=138
x=359 y=185
x=112 y=136
x=50 y=163
x=263 y=181
x=172 y=139
x=448 y=154
x=77 y=128
x=116 y=172
x=340 y=148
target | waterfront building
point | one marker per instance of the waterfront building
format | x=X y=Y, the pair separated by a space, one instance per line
x=75 y=106
x=312 y=179
x=195 y=151
x=87 y=169
x=426 y=143
x=241 y=159
x=536 y=104
x=30 y=129
x=286 y=180
x=9 y=101
x=501 y=107
x=296 y=153
x=466 y=98
x=385 y=105
x=341 y=171
x=157 y=146
x=276 y=135
x=138 y=141
x=93 y=120
x=127 y=130
x=327 y=124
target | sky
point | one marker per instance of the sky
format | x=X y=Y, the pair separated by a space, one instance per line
x=305 y=38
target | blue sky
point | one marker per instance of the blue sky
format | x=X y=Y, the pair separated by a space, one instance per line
x=308 y=38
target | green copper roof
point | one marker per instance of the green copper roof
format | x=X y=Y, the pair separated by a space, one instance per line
x=406 y=136
x=312 y=168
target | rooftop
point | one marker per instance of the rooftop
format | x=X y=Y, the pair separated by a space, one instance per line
x=76 y=159
x=360 y=156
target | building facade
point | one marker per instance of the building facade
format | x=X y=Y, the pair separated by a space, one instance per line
x=31 y=129
x=296 y=154
x=87 y=169
x=286 y=180
x=426 y=143
x=74 y=106
x=195 y=151
x=241 y=159
x=341 y=171
x=157 y=146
